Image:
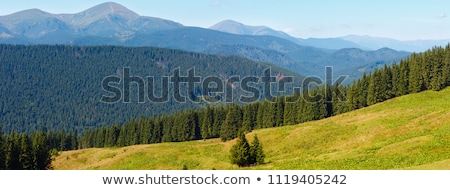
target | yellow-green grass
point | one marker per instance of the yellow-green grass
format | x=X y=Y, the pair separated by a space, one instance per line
x=409 y=132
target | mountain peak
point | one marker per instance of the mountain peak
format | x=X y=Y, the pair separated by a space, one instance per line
x=111 y=7
x=234 y=27
x=102 y=11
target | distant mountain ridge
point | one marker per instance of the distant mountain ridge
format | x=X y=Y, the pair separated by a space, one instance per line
x=104 y=20
x=113 y=24
x=350 y=41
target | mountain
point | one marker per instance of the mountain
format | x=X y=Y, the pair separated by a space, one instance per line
x=114 y=24
x=104 y=20
x=233 y=27
x=377 y=43
x=350 y=41
x=408 y=132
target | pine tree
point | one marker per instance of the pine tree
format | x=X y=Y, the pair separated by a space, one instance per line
x=219 y=118
x=268 y=114
x=257 y=155
x=207 y=123
x=157 y=131
x=415 y=76
x=2 y=150
x=12 y=152
x=240 y=152
x=403 y=78
x=25 y=153
x=279 y=111
x=167 y=123
x=232 y=123
x=41 y=153
x=363 y=91
x=260 y=116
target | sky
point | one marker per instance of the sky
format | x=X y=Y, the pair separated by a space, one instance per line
x=397 y=19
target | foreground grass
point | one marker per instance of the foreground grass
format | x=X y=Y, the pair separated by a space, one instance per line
x=409 y=132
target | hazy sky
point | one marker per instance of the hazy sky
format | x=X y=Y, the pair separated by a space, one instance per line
x=398 y=19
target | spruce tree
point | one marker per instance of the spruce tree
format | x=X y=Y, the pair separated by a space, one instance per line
x=2 y=150
x=257 y=155
x=240 y=152
x=219 y=118
x=232 y=123
x=25 y=153
x=279 y=111
x=207 y=123
x=41 y=153
x=12 y=152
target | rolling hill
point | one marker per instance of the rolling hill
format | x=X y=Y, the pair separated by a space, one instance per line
x=408 y=132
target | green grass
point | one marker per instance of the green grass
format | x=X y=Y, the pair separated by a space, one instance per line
x=409 y=132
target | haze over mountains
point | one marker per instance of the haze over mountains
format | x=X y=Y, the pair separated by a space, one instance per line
x=113 y=24
x=350 y=41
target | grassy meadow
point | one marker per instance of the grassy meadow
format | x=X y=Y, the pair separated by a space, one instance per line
x=409 y=132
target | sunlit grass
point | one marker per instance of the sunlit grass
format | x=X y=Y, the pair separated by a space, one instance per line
x=410 y=132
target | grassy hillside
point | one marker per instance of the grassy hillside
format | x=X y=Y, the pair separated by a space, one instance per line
x=410 y=132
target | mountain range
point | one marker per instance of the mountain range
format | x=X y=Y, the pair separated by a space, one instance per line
x=113 y=24
x=350 y=41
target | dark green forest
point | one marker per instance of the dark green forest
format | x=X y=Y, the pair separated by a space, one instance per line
x=429 y=70
x=60 y=86
x=25 y=151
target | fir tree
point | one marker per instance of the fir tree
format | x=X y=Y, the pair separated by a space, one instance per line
x=207 y=123
x=2 y=150
x=240 y=152
x=25 y=153
x=232 y=123
x=257 y=155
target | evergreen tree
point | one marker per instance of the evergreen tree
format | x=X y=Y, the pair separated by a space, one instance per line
x=167 y=123
x=291 y=110
x=219 y=118
x=257 y=155
x=207 y=123
x=41 y=153
x=363 y=91
x=269 y=115
x=157 y=131
x=260 y=116
x=2 y=150
x=403 y=81
x=25 y=153
x=232 y=123
x=279 y=111
x=240 y=152
x=12 y=152
x=415 y=76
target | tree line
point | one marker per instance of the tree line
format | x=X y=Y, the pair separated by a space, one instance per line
x=23 y=151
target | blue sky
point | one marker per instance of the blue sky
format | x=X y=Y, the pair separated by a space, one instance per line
x=398 y=19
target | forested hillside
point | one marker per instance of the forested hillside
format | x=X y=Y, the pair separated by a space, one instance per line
x=60 y=87
x=425 y=71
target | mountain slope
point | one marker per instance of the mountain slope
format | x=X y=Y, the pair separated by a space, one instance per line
x=409 y=132
x=61 y=87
